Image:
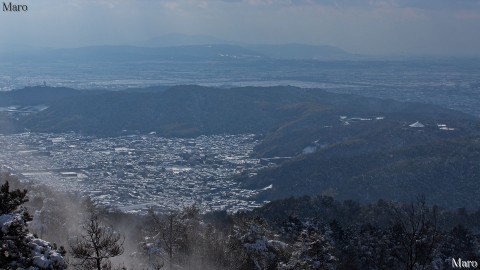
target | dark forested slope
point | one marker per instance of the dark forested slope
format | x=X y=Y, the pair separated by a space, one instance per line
x=290 y=117
x=447 y=171
x=179 y=111
x=342 y=145
x=30 y=96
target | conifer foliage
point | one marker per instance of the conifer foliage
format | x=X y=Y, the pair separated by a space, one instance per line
x=19 y=249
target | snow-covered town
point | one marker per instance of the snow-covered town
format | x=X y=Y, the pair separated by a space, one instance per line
x=136 y=172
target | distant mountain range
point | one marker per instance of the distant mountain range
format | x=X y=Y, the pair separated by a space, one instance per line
x=134 y=54
x=343 y=145
x=177 y=39
x=302 y=51
x=177 y=47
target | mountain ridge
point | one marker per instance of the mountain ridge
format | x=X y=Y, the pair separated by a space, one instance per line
x=341 y=145
x=182 y=52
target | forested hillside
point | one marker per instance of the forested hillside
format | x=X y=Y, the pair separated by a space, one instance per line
x=341 y=145
x=315 y=232
x=280 y=113
x=445 y=170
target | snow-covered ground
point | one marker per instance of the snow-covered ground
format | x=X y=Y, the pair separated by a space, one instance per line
x=136 y=172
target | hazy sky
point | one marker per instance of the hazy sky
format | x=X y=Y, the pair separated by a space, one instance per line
x=359 y=26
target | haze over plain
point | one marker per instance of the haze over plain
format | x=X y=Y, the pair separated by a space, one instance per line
x=376 y=27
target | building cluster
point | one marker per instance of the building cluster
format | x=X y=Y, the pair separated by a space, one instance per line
x=135 y=172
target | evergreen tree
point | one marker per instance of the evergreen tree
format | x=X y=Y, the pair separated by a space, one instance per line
x=19 y=248
x=98 y=243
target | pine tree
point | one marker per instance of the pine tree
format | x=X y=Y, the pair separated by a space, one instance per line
x=97 y=244
x=10 y=200
x=19 y=248
x=13 y=250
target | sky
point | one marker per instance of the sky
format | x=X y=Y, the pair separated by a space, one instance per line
x=377 y=27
